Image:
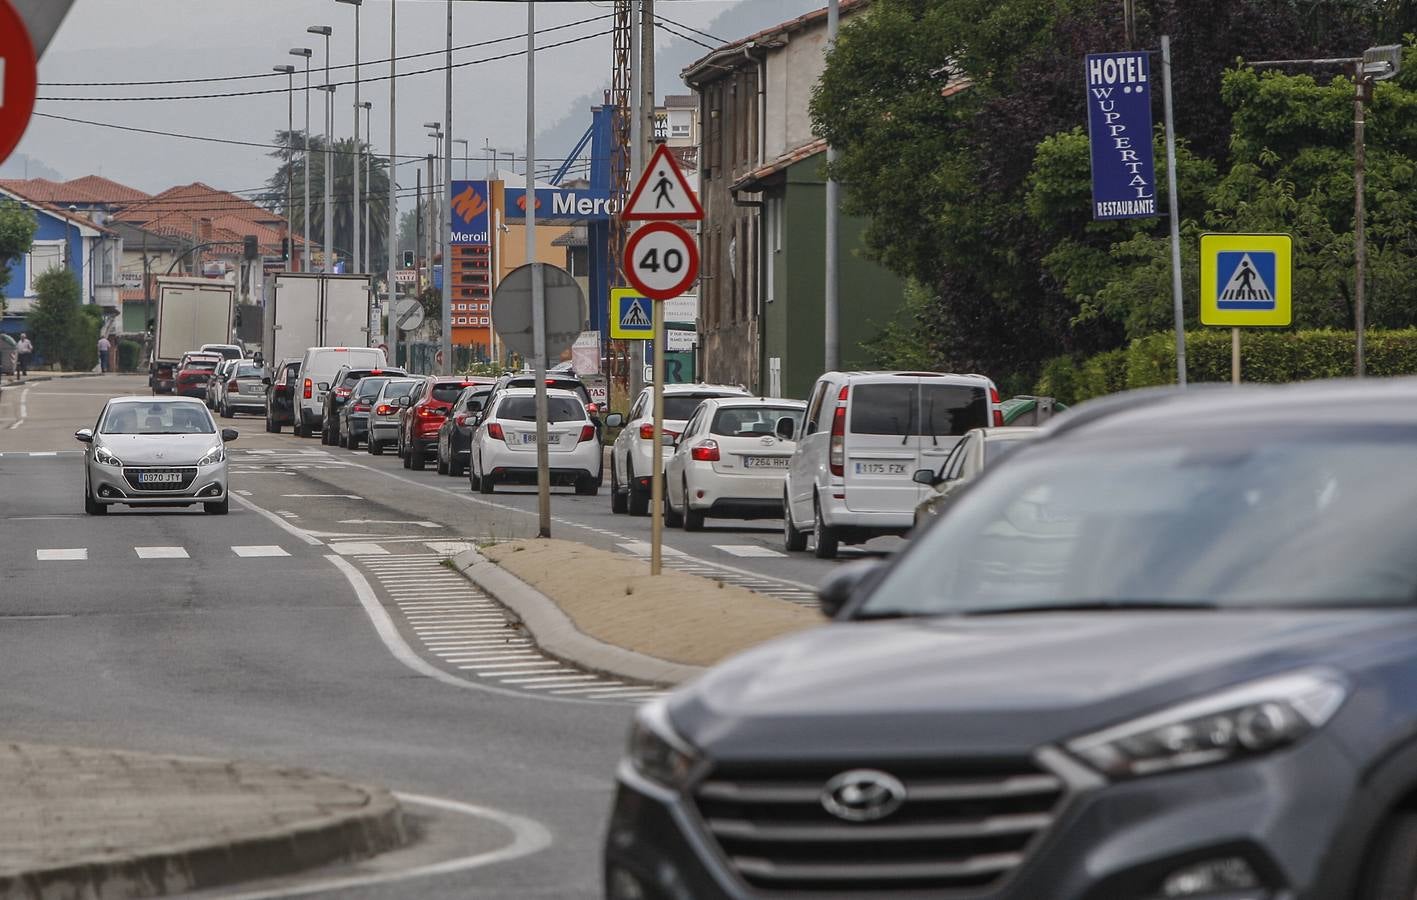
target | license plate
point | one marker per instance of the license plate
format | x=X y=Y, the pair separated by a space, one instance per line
x=159 y=478
x=880 y=468
x=528 y=438
x=765 y=462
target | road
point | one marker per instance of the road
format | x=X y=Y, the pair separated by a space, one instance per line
x=314 y=626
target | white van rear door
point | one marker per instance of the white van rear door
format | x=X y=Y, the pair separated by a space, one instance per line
x=948 y=409
x=882 y=444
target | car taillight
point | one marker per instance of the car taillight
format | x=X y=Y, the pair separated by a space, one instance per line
x=361 y=407
x=587 y=433
x=494 y=431
x=309 y=389
x=705 y=451
x=428 y=412
x=647 y=431
x=384 y=409
x=994 y=401
x=837 y=453
x=343 y=392
x=233 y=386
x=460 y=420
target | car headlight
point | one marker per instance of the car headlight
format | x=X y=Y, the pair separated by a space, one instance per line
x=214 y=455
x=1241 y=721
x=656 y=751
x=103 y=457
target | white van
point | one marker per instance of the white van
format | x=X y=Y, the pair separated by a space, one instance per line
x=317 y=367
x=865 y=435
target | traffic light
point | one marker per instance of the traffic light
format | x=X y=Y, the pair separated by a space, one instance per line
x=408 y=259
x=251 y=247
x=285 y=248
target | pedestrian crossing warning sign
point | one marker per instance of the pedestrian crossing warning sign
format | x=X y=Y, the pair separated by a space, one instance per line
x=631 y=316
x=1245 y=279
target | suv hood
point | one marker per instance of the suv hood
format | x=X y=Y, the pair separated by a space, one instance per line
x=996 y=686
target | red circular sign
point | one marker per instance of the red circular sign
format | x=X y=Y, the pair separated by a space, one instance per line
x=661 y=260
x=18 y=81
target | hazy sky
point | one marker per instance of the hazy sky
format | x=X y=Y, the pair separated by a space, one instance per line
x=139 y=40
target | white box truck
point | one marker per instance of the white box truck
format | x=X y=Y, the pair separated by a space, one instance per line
x=190 y=312
x=308 y=309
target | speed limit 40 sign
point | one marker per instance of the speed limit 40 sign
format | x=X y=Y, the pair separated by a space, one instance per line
x=661 y=260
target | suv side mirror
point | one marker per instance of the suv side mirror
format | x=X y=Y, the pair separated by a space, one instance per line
x=927 y=477
x=405 y=402
x=229 y=434
x=785 y=428
x=324 y=385
x=85 y=435
x=844 y=583
x=615 y=420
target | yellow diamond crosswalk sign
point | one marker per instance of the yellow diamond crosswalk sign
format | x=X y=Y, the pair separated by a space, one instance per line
x=1246 y=279
x=631 y=316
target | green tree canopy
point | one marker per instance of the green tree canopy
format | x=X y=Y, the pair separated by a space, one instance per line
x=374 y=188
x=17 y=227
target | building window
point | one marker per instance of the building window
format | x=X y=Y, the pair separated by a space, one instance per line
x=43 y=256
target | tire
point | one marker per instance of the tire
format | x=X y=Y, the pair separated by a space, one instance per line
x=272 y=426
x=417 y=456
x=352 y=442
x=443 y=468
x=376 y=448
x=92 y=506
x=587 y=487
x=219 y=508
x=825 y=540
x=299 y=430
x=638 y=499
x=619 y=502
x=455 y=467
x=672 y=519
x=693 y=518
x=485 y=485
x=1391 y=871
x=472 y=484
x=406 y=457
x=226 y=411
x=793 y=541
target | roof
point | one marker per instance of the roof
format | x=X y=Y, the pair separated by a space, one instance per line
x=754 y=180
x=106 y=190
x=681 y=101
x=46 y=191
x=83 y=222
x=729 y=56
x=576 y=236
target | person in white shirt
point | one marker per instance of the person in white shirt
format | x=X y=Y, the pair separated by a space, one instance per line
x=103 y=349
x=24 y=349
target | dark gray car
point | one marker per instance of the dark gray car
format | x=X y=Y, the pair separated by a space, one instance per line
x=1168 y=650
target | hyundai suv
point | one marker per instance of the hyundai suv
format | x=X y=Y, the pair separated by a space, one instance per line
x=1168 y=650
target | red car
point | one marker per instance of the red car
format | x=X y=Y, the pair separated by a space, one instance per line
x=424 y=411
x=193 y=373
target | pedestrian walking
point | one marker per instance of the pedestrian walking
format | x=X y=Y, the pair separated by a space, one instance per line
x=103 y=350
x=24 y=349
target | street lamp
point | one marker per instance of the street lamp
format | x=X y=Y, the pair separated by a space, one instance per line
x=306 y=53
x=363 y=201
x=435 y=210
x=392 y=241
x=326 y=31
x=355 y=211
x=289 y=72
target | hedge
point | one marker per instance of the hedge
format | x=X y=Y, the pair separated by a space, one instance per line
x=1265 y=356
x=130 y=355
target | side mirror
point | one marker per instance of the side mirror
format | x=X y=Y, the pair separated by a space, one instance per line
x=229 y=434
x=85 y=435
x=324 y=385
x=615 y=420
x=785 y=428
x=474 y=406
x=266 y=381
x=844 y=583
x=927 y=477
x=405 y=402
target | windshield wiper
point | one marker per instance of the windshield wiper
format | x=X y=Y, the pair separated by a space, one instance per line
x=1095 y=606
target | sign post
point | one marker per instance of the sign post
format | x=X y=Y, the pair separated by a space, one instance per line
x=661 y=262
x=1246 y=281
x=18 y=78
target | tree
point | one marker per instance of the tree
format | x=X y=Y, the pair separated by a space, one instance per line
x=17 y=228
x=375 y=189
x=54 y=318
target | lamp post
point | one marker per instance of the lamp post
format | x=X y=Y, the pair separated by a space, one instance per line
x=363 y=201
x=289 y=135
x=329 y=90
x=355 y=210
x=392 y=240
x=305 y=52
x=434 y=207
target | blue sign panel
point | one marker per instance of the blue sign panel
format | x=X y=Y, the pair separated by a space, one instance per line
x=562 y=205
x=470 y=221
x=1119 y=125
x=1246 y=280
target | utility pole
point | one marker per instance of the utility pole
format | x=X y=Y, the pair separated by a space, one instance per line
x=393 y=186
x=418 y=211
x=306 y=53
x=445 y=235
x=429 y=211
x=637 y=161
x=329 y=90
x=831 y=358
x=356 y=201
x=289 y=173
x=538 y=286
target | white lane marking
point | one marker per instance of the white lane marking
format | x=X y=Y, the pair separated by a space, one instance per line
x=528 y=836
x=24 y=409
x=642 y=548
x=286 y=514
x=298 y=532
x=242 y=493
x=489 y=656
x=318 y=496
x=259 y=550
x=750 y=551
x=45 y=453
x=419 y=523
x=388 y=632
x=548 y=681
x=356 y=549
x=161 y=552
x=498 y=668
x=54 y=555
x=586 y=690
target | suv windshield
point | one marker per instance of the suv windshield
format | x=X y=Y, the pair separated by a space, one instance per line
x=908 y=409
x=1284 y=518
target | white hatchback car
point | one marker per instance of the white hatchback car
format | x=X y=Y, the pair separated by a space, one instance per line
x=504 y=442
x=632 y=456
x=729 y=461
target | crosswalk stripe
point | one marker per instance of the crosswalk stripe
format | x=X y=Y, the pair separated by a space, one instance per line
x=161 y=552
x=64 y=554
x=248 y=551
x=749 y=551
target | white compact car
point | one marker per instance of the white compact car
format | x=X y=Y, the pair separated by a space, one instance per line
x=866 y=434
x=632 y=457
x=729 y=461
x=155 y=451
x=504 y=442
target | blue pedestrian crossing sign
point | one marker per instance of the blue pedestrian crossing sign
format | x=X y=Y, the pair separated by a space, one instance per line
x=1246 y=279
x=631 y=316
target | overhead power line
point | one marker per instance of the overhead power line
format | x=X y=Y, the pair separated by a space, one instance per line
x=712 y=37
x=664 y=24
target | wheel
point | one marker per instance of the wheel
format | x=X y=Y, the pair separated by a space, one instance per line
x=300 y=430
x=417 y=456
x=406 y=457
x=271 y=426
x=92 y=506
x=693 y=518
x=455 y=466
x=376 y=447
x=218 y=509
x=638 y=500
x=352 y=442
x=1391 y=872
x=673 y=519
x=326 y=438
x=226 y=410
x=442 y=463
x=485 y=485
x=619 y=503
x=472 y=481
x=587 y=487
x=793 y=541
x=824 y=536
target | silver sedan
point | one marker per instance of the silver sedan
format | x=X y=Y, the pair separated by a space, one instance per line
x=155 y=451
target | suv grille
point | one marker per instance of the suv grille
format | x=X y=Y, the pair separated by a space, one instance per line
x=963 y=827
x=186 y=475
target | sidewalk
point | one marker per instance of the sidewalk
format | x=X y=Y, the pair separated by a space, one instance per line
x=80 y=822
x=603 y=611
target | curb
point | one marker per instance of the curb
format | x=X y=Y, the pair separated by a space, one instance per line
x=555 y=633
x=181 y=868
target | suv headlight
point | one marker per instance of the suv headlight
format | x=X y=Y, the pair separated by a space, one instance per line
x=1241 y=721
x=214 y=455
x=103 y=457
x=656 y=751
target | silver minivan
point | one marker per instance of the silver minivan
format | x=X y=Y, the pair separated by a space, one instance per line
x=865 y=436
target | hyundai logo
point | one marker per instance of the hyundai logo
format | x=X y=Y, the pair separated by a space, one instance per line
x=863 y=795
